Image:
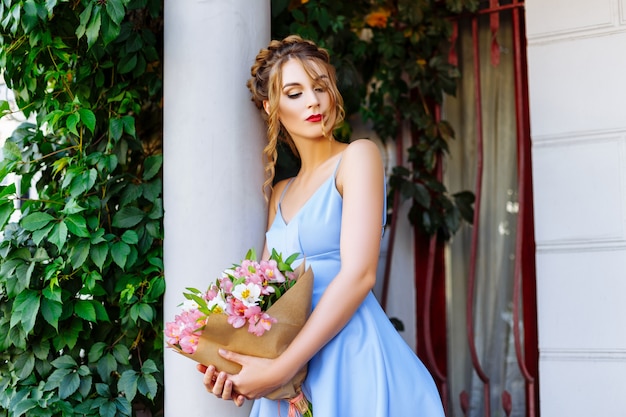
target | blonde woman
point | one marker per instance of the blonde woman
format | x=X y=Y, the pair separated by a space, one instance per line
x=332 y=213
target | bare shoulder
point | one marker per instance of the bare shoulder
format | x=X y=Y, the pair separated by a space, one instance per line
x=361 y=162
x=277 y=191
x=362 y=153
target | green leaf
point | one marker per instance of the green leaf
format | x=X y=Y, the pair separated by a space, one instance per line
x=8 y=192
x=147 y=385
x=98 y=254
x=88 y=118
x=123 y=406
x=115 y=10
x=23 y=406
x=69 y=385
x=128 y=217
x=25 y=309
x=58 y=235
x=120 y=252
x=93 y=27
x=24 y=365
x=79 y=252
x=53 y=293
x=51 y=311
x=106 y=366
x=85 y=310
x=6 y=210
x=4 y=107
x=152 y=165
x=77 y=225
x=116 y=128
x=85 y=386
x=72 y=122
x=101 y=312
x=11 y=151
x=149 y=367
x=130 y=237
x=128 y=384
x=121 y=354
x=54 y=380
x=36 y=221
x=29 y=19
x=64 y=362
x=69 y=336
x=108 y=409
x=84 y=19
x=110 y=31
x=129 y=125
x=39 y=235
x=96 y=351
x=127 y=64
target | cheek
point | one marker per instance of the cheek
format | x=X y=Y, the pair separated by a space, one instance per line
x=287 y=113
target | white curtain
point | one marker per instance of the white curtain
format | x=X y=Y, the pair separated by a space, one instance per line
x=492 y=316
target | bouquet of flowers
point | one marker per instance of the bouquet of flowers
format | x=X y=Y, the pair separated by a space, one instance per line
x=268 y=296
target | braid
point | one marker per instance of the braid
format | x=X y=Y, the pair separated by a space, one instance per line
x=265 y=85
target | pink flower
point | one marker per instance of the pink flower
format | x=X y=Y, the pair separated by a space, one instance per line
x=189 y=343
x=271 y=272
x=226 y=284
x=262 y=323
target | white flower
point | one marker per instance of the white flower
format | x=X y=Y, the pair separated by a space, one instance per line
x=217 y=304
x=248 y=294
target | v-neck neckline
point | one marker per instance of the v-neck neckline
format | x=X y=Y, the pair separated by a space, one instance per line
x=317 y=190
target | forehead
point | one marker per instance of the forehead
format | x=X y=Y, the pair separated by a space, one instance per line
x=296 y=71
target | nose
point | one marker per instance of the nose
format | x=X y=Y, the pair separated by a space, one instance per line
x=312 y=99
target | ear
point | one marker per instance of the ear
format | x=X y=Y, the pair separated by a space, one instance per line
x=266 y=106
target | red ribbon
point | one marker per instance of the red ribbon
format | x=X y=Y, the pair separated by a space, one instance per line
x=293 y=409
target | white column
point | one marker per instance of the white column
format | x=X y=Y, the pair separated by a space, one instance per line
x=577 y=99
x=213 y=138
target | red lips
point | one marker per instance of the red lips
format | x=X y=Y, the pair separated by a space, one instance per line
x=314 y=118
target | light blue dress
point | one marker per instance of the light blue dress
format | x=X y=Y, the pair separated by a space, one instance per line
x=366 y=370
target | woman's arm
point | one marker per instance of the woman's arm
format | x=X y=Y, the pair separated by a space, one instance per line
x=217 y=382
x=360 y=180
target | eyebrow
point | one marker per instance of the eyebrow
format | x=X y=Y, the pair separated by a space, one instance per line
x=298 y=84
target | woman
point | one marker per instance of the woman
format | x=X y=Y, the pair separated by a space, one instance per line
x=332 y=213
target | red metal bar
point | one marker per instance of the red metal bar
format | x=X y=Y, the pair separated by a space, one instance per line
x=476 y=223
x=494 y=23
x=524 y=276
x=501 y=8
x=428 y=298
x=393 y=226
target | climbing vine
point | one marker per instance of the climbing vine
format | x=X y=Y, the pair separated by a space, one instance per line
x=81 y=267
x=392 y=63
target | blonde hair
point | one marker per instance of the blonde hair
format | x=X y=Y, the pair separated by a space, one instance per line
x=266 y=85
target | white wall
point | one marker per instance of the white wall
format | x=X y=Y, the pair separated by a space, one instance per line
x=577 y=81
x=213 y=138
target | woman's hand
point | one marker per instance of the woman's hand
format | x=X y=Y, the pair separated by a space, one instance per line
x=218 y=384
x=258 y=376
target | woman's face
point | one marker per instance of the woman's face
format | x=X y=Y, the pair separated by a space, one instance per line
x=304 y=102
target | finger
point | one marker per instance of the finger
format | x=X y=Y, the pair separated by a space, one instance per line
x=218 y=386
x=227 y=392
x=232 y=356
x=239 y=400
x=209 y=378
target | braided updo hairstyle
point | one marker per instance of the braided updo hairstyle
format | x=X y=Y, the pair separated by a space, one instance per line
x=266 y=85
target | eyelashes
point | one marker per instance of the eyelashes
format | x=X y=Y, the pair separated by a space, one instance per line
x=298 y=94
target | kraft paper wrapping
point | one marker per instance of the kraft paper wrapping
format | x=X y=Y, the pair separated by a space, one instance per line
x=291 y=311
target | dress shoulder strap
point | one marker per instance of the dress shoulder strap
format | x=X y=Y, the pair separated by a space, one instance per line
x=282 y=195
x=337 y=166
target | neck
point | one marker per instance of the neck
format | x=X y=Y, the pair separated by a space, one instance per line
x=315 y=153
